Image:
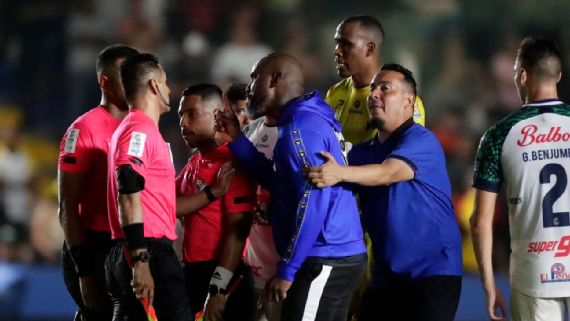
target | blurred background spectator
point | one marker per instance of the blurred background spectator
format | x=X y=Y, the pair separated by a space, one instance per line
x=461 y=51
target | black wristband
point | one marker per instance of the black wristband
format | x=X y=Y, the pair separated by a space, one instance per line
x=135 y=236
x=211 y=197
x=82 y=259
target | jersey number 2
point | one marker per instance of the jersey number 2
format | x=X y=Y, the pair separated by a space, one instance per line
x=549 y=217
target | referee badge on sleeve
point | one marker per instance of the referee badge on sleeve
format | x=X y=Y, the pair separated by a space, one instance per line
x=71 y=140
x=136 y=144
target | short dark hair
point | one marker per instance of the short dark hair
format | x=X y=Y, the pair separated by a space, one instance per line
x=134 y=70
x=110 y=54
x=204 y=91
x=370 y=23
x=540 y=56
x=236 y=92
x=408 y=75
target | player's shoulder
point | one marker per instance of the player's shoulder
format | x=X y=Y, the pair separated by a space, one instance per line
x=138 y=122
x=562 y=109
x=90 y=120
x=340 y=88
x=223 y=154
x=501 y=129
x=420 y=138
x=253 y=126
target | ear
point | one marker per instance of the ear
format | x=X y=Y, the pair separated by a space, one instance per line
x=275 y=79
x=524 y=76
x=370 y=49
x=559 y=77
x=410 y=100
x=153 y=86
x=102 y=80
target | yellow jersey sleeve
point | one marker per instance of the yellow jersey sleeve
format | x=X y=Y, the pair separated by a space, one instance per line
x=419 y=112
x=349 y=106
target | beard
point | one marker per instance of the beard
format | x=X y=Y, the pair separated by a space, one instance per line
x=255 y=106
x=253 y=111
x=377 y=123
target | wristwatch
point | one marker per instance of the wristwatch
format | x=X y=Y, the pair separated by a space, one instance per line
x=142 y=257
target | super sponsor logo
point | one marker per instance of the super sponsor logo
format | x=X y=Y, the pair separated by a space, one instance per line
x=561 y=248
x=557 y=273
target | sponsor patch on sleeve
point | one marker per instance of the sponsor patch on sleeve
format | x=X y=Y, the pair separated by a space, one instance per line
x=136 y=145
x=71 y=141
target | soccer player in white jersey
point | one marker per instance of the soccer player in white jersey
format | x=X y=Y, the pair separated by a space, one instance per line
x=260 y=253
x=528 y=153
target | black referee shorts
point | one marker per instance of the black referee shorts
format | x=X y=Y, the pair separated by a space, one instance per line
x=241 y=305
x=170 y=300
x=430 y=299
x=98 y=245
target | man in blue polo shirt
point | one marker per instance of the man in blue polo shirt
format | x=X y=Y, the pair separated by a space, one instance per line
x=405 y=197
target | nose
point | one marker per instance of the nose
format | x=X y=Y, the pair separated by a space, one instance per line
x=337 y=51
x=375 y=93
x=183 y=122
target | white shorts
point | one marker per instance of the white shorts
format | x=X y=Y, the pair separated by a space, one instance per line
x=524 y=307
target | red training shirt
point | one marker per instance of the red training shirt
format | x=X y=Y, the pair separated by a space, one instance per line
x=203 y=229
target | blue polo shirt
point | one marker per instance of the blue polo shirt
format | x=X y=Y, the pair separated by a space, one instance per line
x=412 y=224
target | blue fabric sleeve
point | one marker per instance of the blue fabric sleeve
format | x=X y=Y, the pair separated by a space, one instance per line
x=254 y=162
x=418 y=150
x=303 y=150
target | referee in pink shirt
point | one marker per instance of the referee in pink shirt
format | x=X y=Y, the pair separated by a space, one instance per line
x=142 y=202
x=82 y=190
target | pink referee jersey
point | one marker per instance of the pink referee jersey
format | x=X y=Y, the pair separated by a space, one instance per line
x=138 y=142
x=84 y=149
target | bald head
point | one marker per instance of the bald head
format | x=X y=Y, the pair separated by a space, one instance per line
x=275 y=80
x=286 y=66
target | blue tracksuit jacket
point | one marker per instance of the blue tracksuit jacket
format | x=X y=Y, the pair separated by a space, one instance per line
x=306 y=221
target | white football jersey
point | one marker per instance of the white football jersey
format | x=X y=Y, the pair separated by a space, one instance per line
x=260 y=253
x=529 y=153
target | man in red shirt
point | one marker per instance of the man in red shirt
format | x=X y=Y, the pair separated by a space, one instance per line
x=82 y=172
x=216 y=228
x=141 y=201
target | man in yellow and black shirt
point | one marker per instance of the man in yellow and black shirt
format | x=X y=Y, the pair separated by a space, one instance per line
x=357 y=54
